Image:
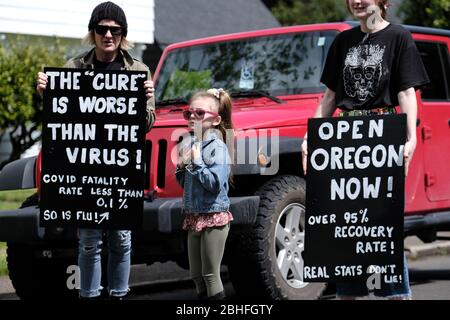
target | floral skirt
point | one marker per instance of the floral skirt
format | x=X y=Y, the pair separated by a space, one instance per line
x=198 y=222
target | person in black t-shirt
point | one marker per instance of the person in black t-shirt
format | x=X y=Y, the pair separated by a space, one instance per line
x=370 y=69
x=107 y=32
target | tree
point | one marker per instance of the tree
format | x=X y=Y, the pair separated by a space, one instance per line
x=20 y=104
x=291 y=12
x=428 y=13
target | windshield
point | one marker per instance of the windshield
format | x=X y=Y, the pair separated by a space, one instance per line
x=280 y=65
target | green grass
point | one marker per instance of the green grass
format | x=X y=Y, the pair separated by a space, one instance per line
x=10 y=200
x=13 y=199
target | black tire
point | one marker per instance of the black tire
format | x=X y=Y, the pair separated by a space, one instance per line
x=38 y=278
x=252 y=263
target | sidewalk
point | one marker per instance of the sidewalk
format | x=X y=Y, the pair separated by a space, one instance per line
x=6 y=285
x=415 y=250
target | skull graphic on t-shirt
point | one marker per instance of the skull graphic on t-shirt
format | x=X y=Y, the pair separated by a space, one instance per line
x=363 y=71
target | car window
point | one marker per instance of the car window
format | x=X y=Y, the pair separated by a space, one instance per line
x=436 y=60
x=279 y=64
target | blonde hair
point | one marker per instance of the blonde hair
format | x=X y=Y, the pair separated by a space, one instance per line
x=89 y=40
x=224 y=106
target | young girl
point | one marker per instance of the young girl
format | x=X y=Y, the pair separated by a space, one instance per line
x=369 y=70
x=203 y=171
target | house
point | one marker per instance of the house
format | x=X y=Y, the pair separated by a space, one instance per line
x=177 y=21
x=152 y=24
x=5 y=147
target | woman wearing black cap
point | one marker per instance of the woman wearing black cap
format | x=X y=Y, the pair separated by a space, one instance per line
x=107 y=32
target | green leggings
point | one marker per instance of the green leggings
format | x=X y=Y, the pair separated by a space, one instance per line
x=205 y=250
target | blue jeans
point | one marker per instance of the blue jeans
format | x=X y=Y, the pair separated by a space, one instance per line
x=89 y=261
x=387 y=290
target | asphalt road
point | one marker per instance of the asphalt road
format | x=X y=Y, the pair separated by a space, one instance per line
x=429 y=278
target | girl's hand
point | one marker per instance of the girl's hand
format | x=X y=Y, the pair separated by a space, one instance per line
x=304 y=149
x=184 y=158
x=408 y=152
x=41 y=83
x=180 y=162
x=149 y=89
x=195 y=152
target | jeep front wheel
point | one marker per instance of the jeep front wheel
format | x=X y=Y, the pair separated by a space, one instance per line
x=267 y=260
x=38 y=278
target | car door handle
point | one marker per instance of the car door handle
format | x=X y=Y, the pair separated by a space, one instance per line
x=418 y=122
x=449 y=122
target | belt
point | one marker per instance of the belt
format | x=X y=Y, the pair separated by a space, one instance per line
x=368 y=112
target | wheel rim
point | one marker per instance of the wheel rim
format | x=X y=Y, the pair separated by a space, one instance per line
x=290 y=243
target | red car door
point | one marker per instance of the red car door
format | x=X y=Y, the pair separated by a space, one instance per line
x=434 y=129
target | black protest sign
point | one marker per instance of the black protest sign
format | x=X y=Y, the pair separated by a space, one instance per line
x=93 y=137
x=355 y=199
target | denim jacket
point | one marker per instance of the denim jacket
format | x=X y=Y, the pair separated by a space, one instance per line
x=205 y=181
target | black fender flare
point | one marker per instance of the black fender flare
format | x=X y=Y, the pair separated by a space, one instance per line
x=19 y=174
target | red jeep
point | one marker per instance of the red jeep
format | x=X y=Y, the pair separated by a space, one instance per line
x=274 y=79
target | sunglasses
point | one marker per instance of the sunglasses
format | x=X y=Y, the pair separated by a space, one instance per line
x=102 y=30
x=199 y=114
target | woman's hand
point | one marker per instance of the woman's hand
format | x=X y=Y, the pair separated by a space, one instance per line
x=408 y=153
x=325 y=108
x=408 y=104
x=304 y=149
x=149 y=89
x=41 y=83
